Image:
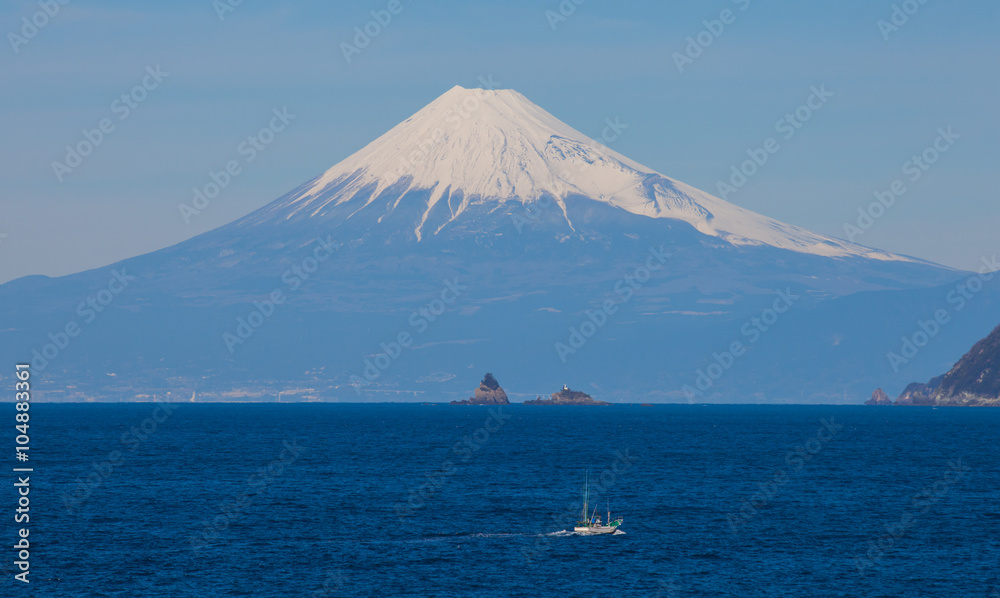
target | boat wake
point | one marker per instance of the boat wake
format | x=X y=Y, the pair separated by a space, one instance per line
x=459 y=537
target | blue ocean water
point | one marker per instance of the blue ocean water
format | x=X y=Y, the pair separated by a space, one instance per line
x=436 y=500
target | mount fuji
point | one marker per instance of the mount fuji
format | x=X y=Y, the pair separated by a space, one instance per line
x=473 y=154
x=482 y=233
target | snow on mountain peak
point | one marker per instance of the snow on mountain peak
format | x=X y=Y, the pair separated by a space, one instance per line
x=496 y=146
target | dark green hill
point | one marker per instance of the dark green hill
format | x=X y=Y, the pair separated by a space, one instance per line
x=974 y=380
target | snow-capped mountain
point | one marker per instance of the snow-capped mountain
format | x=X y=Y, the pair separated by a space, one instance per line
x=477 y=148
x=489 y=233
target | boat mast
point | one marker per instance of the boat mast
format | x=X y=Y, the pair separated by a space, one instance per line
x=586 y=497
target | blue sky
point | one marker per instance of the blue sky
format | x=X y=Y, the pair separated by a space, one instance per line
x=604 y=61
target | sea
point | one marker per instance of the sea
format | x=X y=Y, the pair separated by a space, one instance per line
x=326 y=499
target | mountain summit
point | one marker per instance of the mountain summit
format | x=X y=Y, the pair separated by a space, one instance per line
x=476 y=151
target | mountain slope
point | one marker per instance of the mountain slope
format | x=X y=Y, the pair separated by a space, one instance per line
x=973 y=380
x=978 y=372
x=474 y=148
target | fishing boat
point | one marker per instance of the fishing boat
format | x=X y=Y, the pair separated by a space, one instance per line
x=593 y=524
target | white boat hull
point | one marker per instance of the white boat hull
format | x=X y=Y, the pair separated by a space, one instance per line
x=596 y=529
